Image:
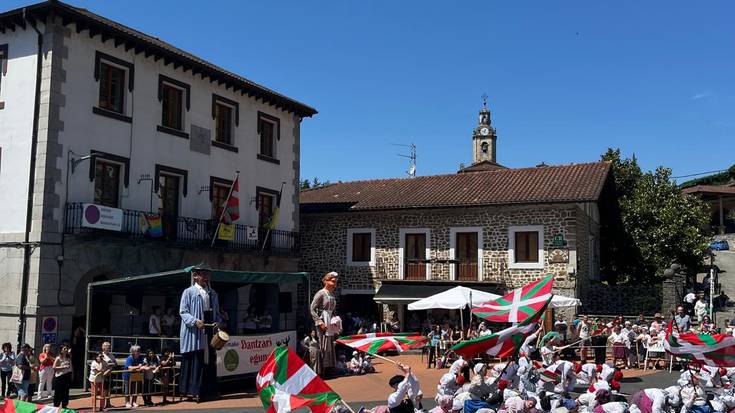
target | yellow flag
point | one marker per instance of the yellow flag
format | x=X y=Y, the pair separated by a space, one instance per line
x=226 y=232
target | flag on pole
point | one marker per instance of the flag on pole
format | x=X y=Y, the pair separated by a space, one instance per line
x=504 y=343
x=376 y=342
x=286 y=383
x=711 y=350
x=17 y=406
x=519 y=304
x=271 y=224
x=231 y=212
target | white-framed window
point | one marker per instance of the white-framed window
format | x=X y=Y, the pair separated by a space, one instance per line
x=465 y=246
x=413 y=251
x=526 y=247
x=361 y=247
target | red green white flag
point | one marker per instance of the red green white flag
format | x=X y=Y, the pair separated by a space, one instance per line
x=376 y=342
x=712 y=350
x=286 y=383
x=505 y=343
x=17 y=406
x=231 y=212
x=519 y=304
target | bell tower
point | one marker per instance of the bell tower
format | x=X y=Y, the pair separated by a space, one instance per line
x=484 y=137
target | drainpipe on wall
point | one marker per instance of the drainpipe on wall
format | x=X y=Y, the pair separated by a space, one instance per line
x=27 y=248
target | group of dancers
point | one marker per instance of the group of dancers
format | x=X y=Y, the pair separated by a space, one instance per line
x=558 y=386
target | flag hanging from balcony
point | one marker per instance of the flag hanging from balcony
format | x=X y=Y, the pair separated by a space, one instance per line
x=226 y=232
x=519 y=304
x=271 y=224
x=231 y=212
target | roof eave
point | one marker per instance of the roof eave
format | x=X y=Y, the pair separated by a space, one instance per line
x=17 y=18
x=319 y=208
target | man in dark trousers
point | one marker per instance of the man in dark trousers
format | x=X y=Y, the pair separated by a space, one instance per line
x=199 y=310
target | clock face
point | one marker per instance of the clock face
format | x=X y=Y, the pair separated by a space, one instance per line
x=484 y=131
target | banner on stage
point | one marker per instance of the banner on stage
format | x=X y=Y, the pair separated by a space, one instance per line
x=246 y=354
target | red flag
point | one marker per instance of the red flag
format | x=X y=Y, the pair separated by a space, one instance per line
x=231 y=212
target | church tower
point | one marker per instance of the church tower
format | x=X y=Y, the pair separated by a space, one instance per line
x=484 y=137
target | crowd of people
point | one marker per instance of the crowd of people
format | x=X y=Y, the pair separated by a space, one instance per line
x=47 y=376
x=528 y=385
x=36 y=377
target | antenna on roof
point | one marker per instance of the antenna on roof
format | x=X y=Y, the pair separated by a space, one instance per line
x=412 y=158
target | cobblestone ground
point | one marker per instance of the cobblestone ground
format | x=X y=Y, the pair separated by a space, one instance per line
x=372 y=389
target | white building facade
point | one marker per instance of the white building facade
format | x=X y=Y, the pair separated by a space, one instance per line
x=93 y=112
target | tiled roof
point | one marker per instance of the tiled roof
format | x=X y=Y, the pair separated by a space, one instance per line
x=710 y=189
x=546 y=184
x=140 y=42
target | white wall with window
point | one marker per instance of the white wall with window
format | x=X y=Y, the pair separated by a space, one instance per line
x=466 y=246
x=526 y=247
x=17 y=82
x=145 y=110
x=361 y=247
x=414 y=248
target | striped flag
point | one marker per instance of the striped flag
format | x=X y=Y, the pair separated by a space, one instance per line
x=712 y=350
x=504 y=343
x=17 y=406
x=376 y=342
x=231 y=212
x=286 y=383
x=519 y=304
x=550 y=375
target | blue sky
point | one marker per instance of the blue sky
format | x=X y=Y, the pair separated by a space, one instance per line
x=565 y=79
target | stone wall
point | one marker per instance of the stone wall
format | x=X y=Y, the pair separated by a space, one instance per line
x=324 y=242
x=621 y=299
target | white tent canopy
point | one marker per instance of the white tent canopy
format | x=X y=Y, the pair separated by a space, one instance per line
x=459 y=297
x=453 y=298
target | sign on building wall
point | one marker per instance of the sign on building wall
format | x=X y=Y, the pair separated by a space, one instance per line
x=246 y=354
x=559 y=241
x=252 y=233
x=101 y=217
x=49 y=329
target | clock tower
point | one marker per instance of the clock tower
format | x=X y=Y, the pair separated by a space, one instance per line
x=484 y=137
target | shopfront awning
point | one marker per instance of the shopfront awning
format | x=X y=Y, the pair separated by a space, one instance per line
x=405 y=292
x=178 y=280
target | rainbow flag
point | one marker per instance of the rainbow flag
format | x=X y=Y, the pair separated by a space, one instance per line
x=155 y=225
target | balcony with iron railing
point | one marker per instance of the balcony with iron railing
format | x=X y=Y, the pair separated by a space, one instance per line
x=187 y=232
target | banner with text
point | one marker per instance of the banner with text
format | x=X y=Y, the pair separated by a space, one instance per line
x=246 y=354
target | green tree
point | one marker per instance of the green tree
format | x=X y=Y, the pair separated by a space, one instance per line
x=656 y=226
x=315 y=183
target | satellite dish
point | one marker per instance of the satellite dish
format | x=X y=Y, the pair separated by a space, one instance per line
x=412 y=170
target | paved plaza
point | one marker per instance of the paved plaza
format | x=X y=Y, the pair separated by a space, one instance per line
x=372 y=389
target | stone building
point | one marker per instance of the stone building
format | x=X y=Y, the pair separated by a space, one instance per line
x=96 y=116
x=489 y=227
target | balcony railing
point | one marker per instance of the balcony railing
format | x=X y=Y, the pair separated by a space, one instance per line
x=187 y=231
